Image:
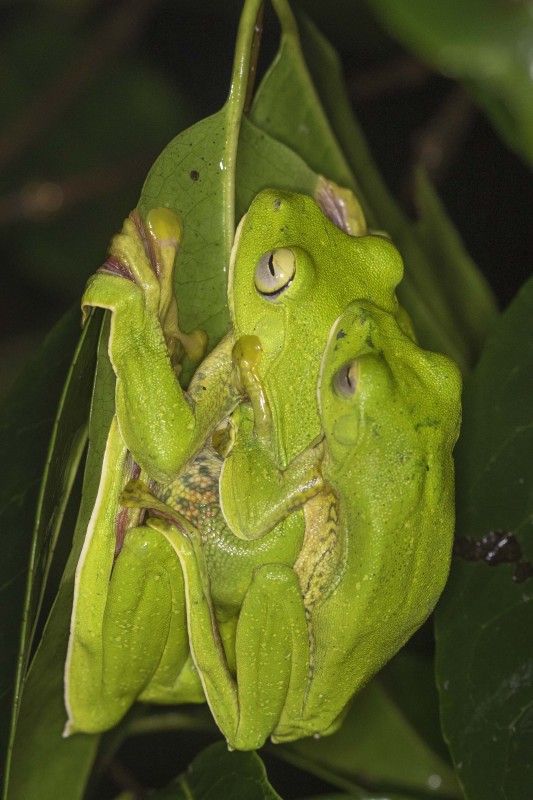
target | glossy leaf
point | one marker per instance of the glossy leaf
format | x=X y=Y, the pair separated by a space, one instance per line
x=26 y=424
x=485 y=618
x=264 y=162
x=288 y=107
x=209 y=210
x=485 y=43
x=216 y=773
x=427 y=292
x=377 y=745
x=67 y=443
x=195 y=176
x=363 y=796
x=188 y=177
x=209 y=174
x=409 y=681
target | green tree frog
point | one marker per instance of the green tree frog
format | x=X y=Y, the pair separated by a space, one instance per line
x=314 y=627
x=291 y=275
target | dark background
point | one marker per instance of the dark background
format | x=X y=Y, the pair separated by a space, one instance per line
x=93 y=91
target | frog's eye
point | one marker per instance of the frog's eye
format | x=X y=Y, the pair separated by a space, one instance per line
x=345 y=380
x=274 y=272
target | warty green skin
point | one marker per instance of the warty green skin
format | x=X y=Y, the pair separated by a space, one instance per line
x=310 y=636
x=125 y=613
x=164 y=430
x=136 y=647
x=332 y=268
x=388 y=460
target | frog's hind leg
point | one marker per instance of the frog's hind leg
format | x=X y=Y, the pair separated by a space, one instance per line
x=272 y=646
x=143 y=651
x=146 y=656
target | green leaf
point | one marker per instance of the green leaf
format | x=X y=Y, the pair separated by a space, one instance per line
x=471 y=302
x=26 y=424
x=485 y=43
x=188 y=178
x=363 y=796
x=195 y=176
x=209 y=174
x=377 y=745
x=287 y=106
x=44 y=763
x=217 y=773
x=409 y=680
x=426 y=290
x=67 y=443
x=485 y=618
x=263 y=161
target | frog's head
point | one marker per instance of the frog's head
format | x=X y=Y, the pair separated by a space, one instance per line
x=292 y=273
x=381 y=394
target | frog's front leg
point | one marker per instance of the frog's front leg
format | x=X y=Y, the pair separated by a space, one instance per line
x=161 y=427
x=272 y=649
x=255 y=494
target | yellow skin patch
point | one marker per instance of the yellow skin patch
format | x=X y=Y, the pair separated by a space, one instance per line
x=319 y=566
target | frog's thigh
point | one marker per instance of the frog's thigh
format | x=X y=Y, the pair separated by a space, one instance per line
x=271 y=646
x=272 y=652
x=144 y=632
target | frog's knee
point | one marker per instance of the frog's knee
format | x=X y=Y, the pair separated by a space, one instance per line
x=275 y=586
x=146 y=545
